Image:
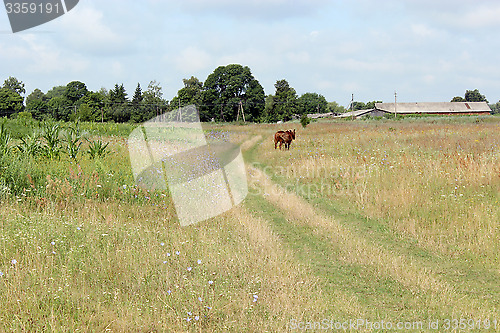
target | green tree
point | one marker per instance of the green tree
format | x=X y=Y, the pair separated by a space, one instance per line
x=10 y=102
x=335 y=108
x=117 y=105
x=190 y=94
x=226 y=89
x=36 y=104
x=312 y=103
x=137 y=115
x=371 y=105
x=283 y=105
x=153 y=101
x=474 y=96
x=458 y=99
x=358 y=106
x=14 y=85
x=75 y=90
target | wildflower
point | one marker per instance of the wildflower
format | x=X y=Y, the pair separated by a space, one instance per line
x=162 y=244
x=53 y=252
x=210 y=282
x=199 y=261
x=168 y=254
x=1 y=273
x=200 y=299
x=189 y=269
x=188 y=319
x=255 y=297
x=14 y=261
x=165 y=262
x=78 y=228
x=177 y=252
x=53 y=243
x=190 y=313
x=169 y=292
x=197 y=318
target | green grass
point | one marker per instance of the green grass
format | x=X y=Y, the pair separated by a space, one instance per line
x=95 y=253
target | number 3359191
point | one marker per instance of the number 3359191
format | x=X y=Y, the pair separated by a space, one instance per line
x=31 y=8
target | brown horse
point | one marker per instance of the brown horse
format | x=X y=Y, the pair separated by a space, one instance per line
x=284 y=138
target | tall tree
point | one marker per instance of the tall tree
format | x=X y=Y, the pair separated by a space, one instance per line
x=118 y=95
x=10 y=102
x=474 y=96
x=15 y=85
x=190 y=94
x=153 y=101
x=75 y=90
x=137 y=107
x=284 y=103
x=118 y=109
x=36 y=104
x=312 y=103
x=226 y=89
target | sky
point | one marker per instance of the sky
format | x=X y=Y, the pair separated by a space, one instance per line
x=424 y=50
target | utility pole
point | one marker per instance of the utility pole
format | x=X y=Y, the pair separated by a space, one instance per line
x=240 y=109
x=395 y=102
x=352 y=106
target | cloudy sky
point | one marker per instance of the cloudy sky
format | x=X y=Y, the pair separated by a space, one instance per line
x=426 y=50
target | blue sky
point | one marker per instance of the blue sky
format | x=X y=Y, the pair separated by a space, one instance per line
x=427 y=51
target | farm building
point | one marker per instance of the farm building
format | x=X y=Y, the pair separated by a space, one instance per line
x=361 y=113
x=451 y=108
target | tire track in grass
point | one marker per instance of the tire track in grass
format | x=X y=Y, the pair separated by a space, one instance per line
x=431 y=292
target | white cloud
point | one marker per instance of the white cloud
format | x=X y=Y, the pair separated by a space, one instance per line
x=192 y=59
x=85 y=30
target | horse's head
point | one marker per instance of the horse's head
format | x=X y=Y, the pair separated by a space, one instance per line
x=292 y=133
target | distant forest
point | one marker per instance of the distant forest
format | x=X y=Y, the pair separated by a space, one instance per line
x=228 y=94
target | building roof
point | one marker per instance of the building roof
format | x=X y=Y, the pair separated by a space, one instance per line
x=440 y=107
x=356 y=113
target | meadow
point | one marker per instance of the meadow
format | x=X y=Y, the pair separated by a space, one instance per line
x=384 y=221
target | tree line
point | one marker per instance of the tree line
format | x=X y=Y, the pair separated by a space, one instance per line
x=228 y=94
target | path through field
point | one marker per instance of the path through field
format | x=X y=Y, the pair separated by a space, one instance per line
x=365 y=271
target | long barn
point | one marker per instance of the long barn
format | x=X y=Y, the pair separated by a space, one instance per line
x=450 y=108
x=439 y=108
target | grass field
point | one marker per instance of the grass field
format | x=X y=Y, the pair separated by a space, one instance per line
x=390 y=222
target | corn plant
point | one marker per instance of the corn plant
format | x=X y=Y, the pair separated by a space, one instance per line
x=73 y=138
x=97 y=149
x=4 y=140
x=30 y=145
x=52 y=147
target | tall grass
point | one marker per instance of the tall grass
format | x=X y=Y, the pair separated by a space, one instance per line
x=437 y=181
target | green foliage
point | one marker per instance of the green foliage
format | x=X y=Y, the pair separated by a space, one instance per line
x=312 y=103
x=52 y=142
x=14 y=85
x=75 y=90
x=474 y=96
x=458 y=99
x=73 y=138
x=10 y=102
x=305 y=120
x=470 y=96
x=283 y=105
x=223 y=91
x=30 y=145
x=4 y=139
x=24 y=117
x=97 y=149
